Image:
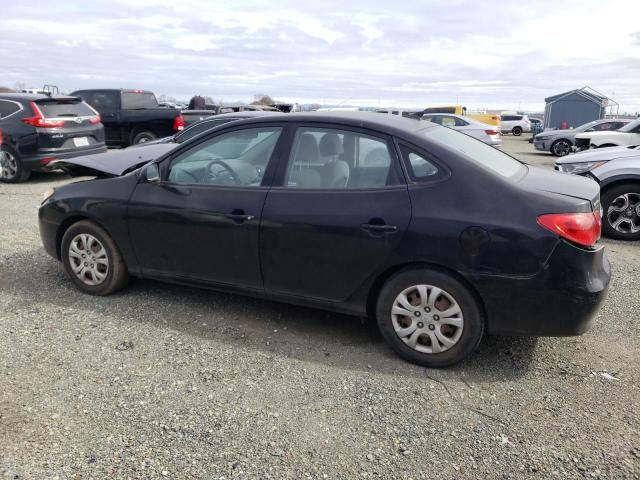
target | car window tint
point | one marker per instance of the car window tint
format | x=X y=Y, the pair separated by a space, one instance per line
x=64 y=108
x=8 y=108
x=418 y=166
x=138 y=100
x=198 y=128
x=338 y=159
x=475 y=150
x=100 y=100
x=237 y=158
x=460 y=122
x=448 y=122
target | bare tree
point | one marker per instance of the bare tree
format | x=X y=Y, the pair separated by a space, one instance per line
x=262 y=99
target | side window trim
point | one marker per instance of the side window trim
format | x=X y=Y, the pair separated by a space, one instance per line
x=272 y=163
x=443 y=174
x=288 y=144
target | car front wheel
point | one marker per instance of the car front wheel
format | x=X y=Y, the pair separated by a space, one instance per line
x=560 y=148
x=429 y=318
x=143 y=137
x=92 y=260
x=621 y=207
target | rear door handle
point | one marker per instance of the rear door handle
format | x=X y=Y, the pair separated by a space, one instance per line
x=239 y=216
x=379 y=228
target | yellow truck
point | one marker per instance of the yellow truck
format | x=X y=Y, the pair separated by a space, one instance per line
x=488 y=118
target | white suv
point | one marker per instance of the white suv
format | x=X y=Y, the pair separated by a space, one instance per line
x=515 y=124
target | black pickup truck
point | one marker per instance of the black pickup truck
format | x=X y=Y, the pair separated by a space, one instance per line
x=132 y=116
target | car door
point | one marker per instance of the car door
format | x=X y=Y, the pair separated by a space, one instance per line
x=335 y=215
x=107 y=104
x=200 y=222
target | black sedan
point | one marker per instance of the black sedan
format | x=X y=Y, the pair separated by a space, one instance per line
x=438 y=236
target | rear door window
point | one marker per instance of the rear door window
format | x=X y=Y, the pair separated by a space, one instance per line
x=328 y=158
x=138 y=100
x=101 y=100
x=64 y=108
x=8 y=108
x=419 y=167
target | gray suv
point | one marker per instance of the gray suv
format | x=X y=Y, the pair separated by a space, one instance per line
x=617 y=170
x=561 y=142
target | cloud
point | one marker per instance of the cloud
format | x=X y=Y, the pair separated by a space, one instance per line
x=413 y=53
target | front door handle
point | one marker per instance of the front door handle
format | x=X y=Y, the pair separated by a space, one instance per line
x=373 y=227
x=239 y=216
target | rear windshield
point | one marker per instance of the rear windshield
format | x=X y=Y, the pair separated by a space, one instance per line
x=65 y=108
x=135 y=100
x=487 y=156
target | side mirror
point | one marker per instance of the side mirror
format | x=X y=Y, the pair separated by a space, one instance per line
x=151 y=173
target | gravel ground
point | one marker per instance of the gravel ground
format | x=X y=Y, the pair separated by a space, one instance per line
x=162 y=381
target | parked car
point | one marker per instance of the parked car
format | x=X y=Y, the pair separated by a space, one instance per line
x=617 y=170
x=359 y=213
x=561 y=142
x=515 y=124
x=628 y=134
x=482 y=116
x=132 y=116
x=483 y=132
x=38 y=129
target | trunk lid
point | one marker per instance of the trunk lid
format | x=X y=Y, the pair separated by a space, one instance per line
x=562 y=184
x=113 y=163
x=66 y=124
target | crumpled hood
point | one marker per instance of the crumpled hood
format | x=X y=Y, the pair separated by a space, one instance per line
x=112 y=163
x=600 y=155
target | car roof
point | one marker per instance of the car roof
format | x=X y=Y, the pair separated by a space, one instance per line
x=372 y=120
x=30 y=96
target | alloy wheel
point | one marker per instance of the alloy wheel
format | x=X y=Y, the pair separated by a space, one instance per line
x=561 y=148
x=88 y=259
x=623 y=213
x=427 y=318
x=8 y=166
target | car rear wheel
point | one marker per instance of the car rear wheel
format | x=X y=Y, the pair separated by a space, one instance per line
x=429 y=318
x=11 y=167
x=92 y=260
x=621 y=208
x=560 y=148
x=143 y=137
x=517 y=131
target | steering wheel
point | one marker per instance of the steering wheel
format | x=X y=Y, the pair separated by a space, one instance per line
x=226 y=166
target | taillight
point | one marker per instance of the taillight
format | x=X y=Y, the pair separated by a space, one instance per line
x=178 y=123
x=491 y=132
x=581 y=228
x=39 y=121
x=1 y=138
x=95 y=120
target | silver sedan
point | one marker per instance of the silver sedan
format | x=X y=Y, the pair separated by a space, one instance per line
x=486 y=133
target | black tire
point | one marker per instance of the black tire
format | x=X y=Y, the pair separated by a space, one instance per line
x=517 y=131
x=15 y=173
x=609 y=196
x=117 y=276
x=472 y=330
x=143 y=137
x=561 y=147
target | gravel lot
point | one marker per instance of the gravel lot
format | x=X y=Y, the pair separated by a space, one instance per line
x=161 y=381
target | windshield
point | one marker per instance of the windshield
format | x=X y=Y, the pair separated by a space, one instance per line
x=586 y=126
x=481 y=153
x=631 y=126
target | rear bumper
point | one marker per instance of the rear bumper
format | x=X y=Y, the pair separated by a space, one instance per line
x=39 y=160
x=561 y=300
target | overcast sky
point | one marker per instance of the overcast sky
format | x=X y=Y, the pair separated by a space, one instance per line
x=483 y=54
